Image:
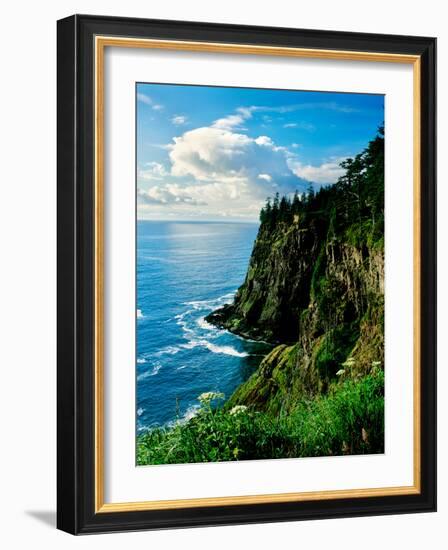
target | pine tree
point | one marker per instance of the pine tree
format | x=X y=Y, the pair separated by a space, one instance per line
x=356 y=198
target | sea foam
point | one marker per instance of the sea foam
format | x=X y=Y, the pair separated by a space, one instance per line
x=150 y=372
x=226 y=350
x=201 y=322
x=213 y=303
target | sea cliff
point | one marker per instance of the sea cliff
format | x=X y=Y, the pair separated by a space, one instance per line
x=315 y=287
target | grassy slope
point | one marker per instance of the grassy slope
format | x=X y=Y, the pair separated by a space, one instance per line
x=347 y=420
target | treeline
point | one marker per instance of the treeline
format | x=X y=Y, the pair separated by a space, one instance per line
x=357 y=196
x=283 y=209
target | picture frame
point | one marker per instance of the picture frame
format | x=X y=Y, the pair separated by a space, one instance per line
x=82 y=43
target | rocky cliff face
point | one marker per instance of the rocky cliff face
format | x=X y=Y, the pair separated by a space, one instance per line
x=315 y=287
x=329 y=301
x=277 y=286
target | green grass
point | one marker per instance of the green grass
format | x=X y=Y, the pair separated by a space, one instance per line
x=349 y=419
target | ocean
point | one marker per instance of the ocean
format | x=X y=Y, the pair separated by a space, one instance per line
x=185 y=270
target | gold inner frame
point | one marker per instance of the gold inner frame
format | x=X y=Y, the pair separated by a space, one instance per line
x=101 y=42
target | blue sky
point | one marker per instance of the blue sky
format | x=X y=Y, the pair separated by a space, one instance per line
x=213 y=153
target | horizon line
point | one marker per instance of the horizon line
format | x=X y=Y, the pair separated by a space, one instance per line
x=196 y=220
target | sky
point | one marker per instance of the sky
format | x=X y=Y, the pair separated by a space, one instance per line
x=216 y=153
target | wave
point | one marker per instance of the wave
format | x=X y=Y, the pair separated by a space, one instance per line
x=190 y=413
x=140 y=411
x=201 y=322
x=150 y=372
x=184 y=319
x=191 y=344
x=182 y=323
x=140 y=314
x=226 y=350
x=169 y=350
x=212 y=303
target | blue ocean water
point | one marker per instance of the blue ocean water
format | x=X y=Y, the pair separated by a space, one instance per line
x=184 y=271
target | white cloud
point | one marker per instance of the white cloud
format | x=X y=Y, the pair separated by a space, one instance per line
x=265 y=141
x=211 y=155
x=219 y=171
x=300 y=125
x=178 y=120
x=235 y=120
x=147 y=100
x=228 y=122
x=326 y=173
x=229 y=173
x=152 y=171
x=143 y=98
x=327 y=105
x=169 y=194
x=247 y=112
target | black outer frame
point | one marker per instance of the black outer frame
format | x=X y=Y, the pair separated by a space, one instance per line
x=75 y=295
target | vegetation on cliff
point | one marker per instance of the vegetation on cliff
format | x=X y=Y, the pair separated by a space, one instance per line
x=347 y=420
x=315 y=288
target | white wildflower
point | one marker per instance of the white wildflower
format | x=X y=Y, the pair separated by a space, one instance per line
x=207 y=397
x=237 y=409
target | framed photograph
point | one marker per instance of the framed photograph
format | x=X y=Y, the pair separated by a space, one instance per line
x=246 y=274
